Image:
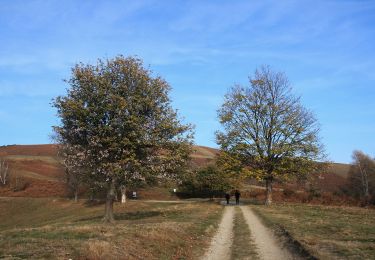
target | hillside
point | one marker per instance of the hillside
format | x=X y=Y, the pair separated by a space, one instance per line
x=36 y=172
x=334 y=178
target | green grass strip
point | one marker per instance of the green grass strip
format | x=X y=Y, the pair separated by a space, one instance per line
x=243 y=246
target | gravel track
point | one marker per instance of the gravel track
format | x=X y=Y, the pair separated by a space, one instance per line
x=267 y=244
x=220 y=248
x=268 y=247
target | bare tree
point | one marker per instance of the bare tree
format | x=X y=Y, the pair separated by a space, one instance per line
x=362 y=173
x=267 y=129
x=4 y=172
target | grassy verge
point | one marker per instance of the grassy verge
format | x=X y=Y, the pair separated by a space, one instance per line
x=47 y=228
x=243 y=246
x=326 y=232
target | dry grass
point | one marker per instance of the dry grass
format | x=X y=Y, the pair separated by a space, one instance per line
x=46 y=228
x=204 y=152
x=25 y=158
x=96 y=249
x=326 y=232
x=243 y=246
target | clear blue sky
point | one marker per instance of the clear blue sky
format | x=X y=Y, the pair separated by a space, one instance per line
x=326 y=48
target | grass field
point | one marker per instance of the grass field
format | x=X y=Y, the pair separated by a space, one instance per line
x=325 y=232
x=52 y=228
x=58 y=228
x=243 y=247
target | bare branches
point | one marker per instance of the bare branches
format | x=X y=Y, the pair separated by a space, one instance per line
x=269 y=124
x=4 y=172
x=365 y=168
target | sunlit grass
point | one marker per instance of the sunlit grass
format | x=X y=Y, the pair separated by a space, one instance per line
x=47 y=228
x=326 y=232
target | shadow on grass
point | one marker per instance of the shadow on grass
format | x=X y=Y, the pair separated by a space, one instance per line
x=125 y=216
x=137 y=215
x=94 y=218
x=251 y=202
x=93 y=203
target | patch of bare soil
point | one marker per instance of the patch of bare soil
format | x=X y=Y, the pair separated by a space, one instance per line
x=267 y=244
x=220 y=247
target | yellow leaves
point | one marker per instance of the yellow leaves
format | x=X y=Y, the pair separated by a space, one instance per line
x=257 y=82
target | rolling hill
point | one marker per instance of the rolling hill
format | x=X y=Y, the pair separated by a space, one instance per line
x=36 y=172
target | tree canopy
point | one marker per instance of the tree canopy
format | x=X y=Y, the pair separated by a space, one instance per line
x=117 y=123
x=206 y=181
x=267 y=130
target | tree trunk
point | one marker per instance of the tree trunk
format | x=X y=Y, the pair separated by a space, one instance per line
x=116 y=196
x=108 y=216
x=76 y=195
x=268 y=191
x=364 y=180
x=365 y=186
x=123 y=194
x=91 y=194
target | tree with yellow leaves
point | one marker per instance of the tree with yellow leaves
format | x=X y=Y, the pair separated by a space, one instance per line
x=267 y=131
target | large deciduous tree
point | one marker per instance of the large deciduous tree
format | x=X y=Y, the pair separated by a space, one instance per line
x=118 y=125
x=267 y=130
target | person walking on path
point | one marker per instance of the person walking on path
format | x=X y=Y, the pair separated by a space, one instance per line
x=227 y=197
x=237 y=194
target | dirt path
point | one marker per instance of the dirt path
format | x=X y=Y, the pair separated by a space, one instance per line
x=220 y=248
x=268 y=247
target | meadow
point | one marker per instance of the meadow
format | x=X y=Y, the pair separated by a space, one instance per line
x=325 y=232
x=43 y=228
x=51 y=226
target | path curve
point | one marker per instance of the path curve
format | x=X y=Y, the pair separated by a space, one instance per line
x=220 y=248
x=267 y=244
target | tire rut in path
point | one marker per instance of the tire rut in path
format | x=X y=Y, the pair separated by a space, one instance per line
x=267 y=244
x=221 y=244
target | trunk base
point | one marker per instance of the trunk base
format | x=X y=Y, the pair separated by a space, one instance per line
x=76 y=196
x=108 y=215
x=123 y=194
x=268 y=201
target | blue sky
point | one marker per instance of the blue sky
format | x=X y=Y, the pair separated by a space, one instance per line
x=326 y=48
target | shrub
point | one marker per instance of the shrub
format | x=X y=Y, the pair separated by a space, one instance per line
x=288 y=192
x=20 y=184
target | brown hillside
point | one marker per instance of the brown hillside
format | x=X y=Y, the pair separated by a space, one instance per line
x=334 y=178
x=340 y=169
x=51 y=151
x=203 y=155
x=40 y=174
x=30 y=150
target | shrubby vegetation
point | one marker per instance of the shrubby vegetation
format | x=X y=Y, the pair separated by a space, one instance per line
x=209 y=181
